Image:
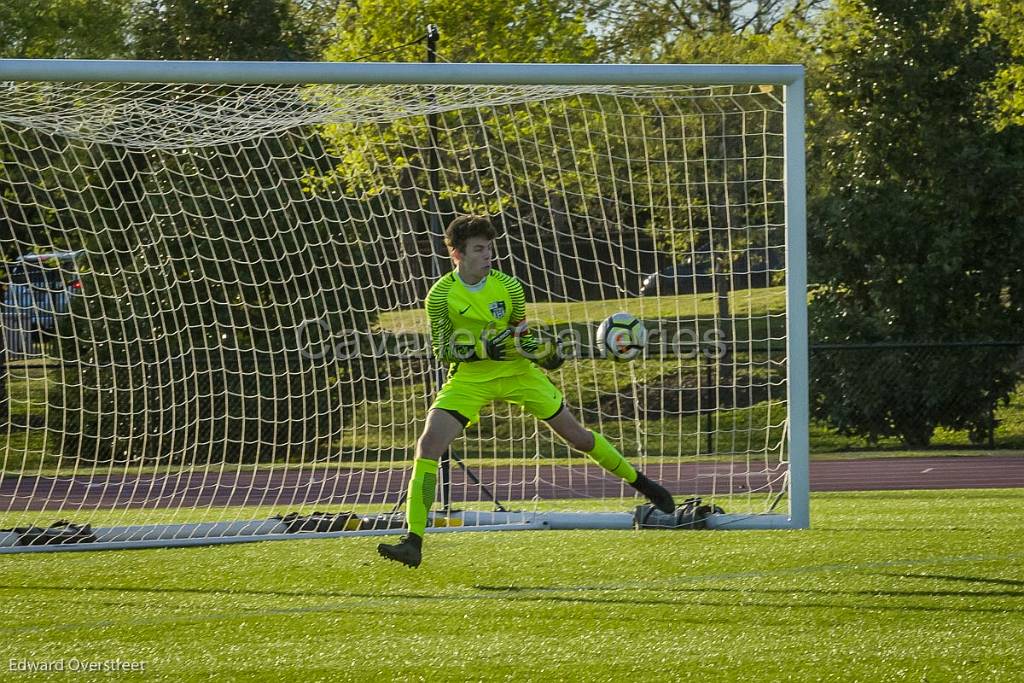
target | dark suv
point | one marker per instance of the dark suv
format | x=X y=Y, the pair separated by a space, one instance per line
x=39 y=288
x=753 y=269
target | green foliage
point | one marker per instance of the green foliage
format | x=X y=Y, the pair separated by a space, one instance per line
x=577 y=165
x=220 y=29
x=471 y=31
x=910 y=392
x=199 y=292
x=33 y=186
x=203 y=265
x=915 y=207
x=387 y=153
x=788 y=42
x=738 y=194
x=659 y=30
x=165 y=29
x=1004 y=23
x=68 y=29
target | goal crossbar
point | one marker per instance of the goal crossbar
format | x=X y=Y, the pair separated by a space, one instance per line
x=228 y=72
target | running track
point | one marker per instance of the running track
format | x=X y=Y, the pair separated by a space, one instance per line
x=331 y=486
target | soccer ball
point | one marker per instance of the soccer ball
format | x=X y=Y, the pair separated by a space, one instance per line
x=622 y=336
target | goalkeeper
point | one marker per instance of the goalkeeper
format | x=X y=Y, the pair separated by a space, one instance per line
x=478 y=324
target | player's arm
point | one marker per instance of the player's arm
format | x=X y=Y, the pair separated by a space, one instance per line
x=443 y=342
x=517 y=320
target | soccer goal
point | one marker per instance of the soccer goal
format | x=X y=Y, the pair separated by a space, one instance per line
x=223 y=336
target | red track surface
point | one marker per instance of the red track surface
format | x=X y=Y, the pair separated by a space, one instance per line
x=329 y=486
x=951 y=472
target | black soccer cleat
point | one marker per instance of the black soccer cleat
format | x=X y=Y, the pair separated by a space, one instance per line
x=408 y=550
x=656 y=493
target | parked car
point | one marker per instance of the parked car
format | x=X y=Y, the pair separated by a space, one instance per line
x=39 y=289
x=751 y=270
x=678 y=279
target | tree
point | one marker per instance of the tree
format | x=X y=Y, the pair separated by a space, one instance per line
x=165 y=29
x=916 y=223
x=206 y=261
x=66 y=29
x=1004 y=21
x=46 y=29
x=653 y=30
x=787 y=42
x=221 y=29
x=471 y=31
x=188 y=347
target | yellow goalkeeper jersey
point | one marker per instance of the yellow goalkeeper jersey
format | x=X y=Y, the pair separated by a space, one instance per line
x=459 y=314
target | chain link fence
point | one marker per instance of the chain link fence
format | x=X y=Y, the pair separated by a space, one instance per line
x=915 y=396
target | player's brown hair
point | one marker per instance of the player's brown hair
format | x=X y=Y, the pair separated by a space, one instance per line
x=462 y=228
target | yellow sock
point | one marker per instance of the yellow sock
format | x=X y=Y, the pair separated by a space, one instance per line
x=421 y=494
x=608 y=457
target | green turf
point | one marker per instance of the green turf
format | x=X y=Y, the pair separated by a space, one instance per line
x=886 y=586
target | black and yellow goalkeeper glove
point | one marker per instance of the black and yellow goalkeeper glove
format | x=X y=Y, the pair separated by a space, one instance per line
x=554 y=357
x=497 y=345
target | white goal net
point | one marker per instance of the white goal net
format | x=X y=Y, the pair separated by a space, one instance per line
x=213 y=298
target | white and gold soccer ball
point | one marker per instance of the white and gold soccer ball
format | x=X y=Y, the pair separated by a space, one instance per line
x=622 y=336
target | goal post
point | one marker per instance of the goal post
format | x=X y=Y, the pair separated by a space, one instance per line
x=214 y=280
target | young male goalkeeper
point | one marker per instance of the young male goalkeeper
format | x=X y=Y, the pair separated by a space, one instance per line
x=477 y=323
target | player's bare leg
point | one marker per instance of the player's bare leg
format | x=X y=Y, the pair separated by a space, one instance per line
x=607 y=456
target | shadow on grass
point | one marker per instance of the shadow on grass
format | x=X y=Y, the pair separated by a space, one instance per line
x=863 y=593
x=539 y=594
x=556 y=594
x=386 y=602
x=525 y=591
x=968 y=579
x=788 y=591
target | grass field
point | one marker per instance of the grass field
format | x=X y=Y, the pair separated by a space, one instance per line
x=886 y=586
